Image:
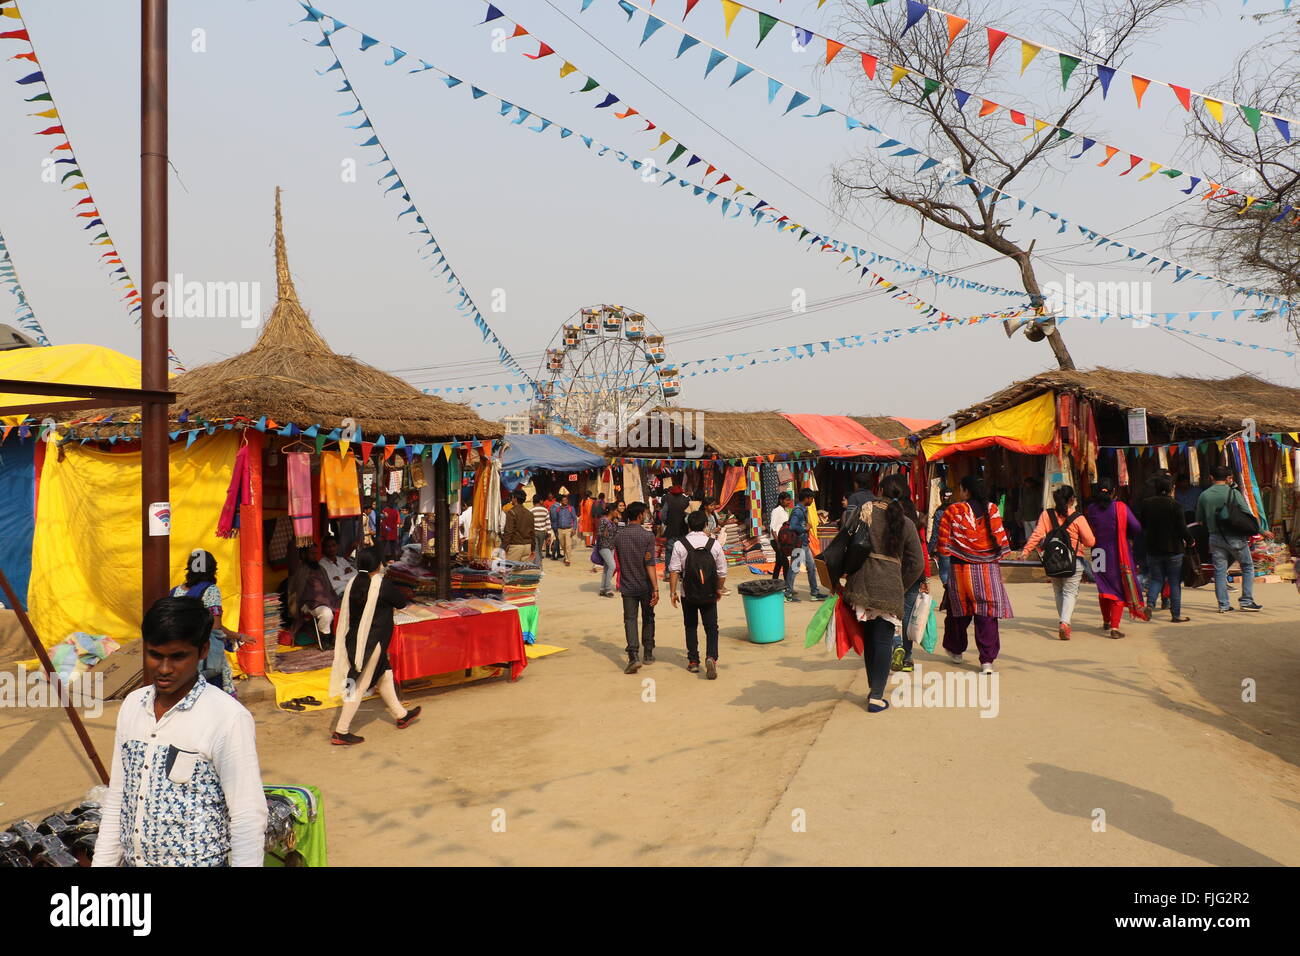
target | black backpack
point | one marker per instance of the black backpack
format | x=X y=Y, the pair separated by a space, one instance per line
x=699 y=574
x=850 y=548
x=1058 y=551
x=1236 y=520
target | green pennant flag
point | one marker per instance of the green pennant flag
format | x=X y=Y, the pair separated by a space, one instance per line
x=1171 y=173
x=677 y=152
x=40 y=97
x=1068 y=63
x=1063 y=134
x=1252 y=116
x=765 y=23
x=590 y=85
x=929 y=87
x=320 y=443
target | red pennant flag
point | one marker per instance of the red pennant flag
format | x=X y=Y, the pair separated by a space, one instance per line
x=1110 y=154
x=1132 y=164
x=725 y=178
x=995 y=40
x=1140 y=85
x=690 y=5
x=51 y=130
x=832 y=48
x=955 y=24
x=16 y=35
x=1017 y=118
x=86 y=200
x=987 y=107
x=869 y=65
x=519 y=31
x=1184 y=96
x=542 y=50
x=365 y=450
x=648 y=125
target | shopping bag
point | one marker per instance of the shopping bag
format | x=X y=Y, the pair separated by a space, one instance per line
x=920 y=616
x=931 y=636
x=816 y=632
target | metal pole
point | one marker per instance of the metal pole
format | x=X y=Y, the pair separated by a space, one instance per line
x=154 y=492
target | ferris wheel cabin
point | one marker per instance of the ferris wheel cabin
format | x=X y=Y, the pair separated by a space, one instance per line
x=634 y=325
x=591 y=321
x=612 y=319
x=654 y=348
x=572 y=334
x=555 y=360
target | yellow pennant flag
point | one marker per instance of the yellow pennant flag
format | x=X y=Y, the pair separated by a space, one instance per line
x=1155 y=168
x=566 y=69
x=79 y=186
x=11 y=12
x=739 y=189
x=899 y=73
x=1215 y=109
x=1250 y=201
x=47 y=114
x=729 y=10
x=1039 y=126
x=663 y=138
x=1027 y=53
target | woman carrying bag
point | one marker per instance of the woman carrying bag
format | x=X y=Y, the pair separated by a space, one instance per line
x=972 y=536
x=1051 y=524
x=1117 y=586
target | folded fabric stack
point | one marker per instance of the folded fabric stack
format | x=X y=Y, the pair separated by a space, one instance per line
x=421 y=580
x=1268 y=556
x=477 y=578
x=732 y=544
x=521 y=583
x=272 y=619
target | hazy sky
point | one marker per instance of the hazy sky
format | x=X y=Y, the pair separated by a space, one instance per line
x=552 y=226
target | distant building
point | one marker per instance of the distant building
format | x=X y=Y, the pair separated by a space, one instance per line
x=515 y=424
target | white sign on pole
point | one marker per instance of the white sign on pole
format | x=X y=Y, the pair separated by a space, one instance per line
x=160 y=519
x=1137 y=426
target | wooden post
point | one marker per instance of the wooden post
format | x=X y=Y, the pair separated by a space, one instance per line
x=442 y=524
x=252 y=657
x=56 y=684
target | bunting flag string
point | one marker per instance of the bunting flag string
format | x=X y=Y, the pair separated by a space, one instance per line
x=432 y=246
x=65 y=163
x=1069 y=62
x=27 y=320
x=1157 y=264
x=759 y=212
x=680 y=149
x=871 y=64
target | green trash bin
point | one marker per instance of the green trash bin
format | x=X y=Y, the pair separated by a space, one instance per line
x=764 y=603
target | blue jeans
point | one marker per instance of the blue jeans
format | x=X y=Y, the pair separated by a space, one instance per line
x=810 y=564
x=1162 y=568
x=945 y=567
x=1223 y=551
x=909 y=599
x=607 y=581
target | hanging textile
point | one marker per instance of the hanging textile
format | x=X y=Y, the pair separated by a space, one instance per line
x=236 y=495
x=754 y=486
x=1121 y=468
x=338 y=484
x=732 y=482
x=428 y=500
x=1193 y=465
x=298 y=469
x=1163 y=455
x=768 y=484
x=1240 y=452
x=495 y=521
x=810 y=477
x=453 y=478
x=395 y=480
x=632 y=490
x=479 y=544
x=710 y=480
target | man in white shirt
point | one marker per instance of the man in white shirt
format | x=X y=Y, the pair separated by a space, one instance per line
x=466 y=520
x=338 y=570
x=186 y=787
x=778 y=520
x=699 y=585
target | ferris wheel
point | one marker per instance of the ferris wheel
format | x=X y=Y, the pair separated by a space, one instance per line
x=610 y=365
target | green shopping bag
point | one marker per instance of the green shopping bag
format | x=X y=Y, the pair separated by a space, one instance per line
x=931 y=637
x=816 y=632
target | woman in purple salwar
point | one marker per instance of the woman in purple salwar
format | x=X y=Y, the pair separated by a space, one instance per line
x=1112 y=560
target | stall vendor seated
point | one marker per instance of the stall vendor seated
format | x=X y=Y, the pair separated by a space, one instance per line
x=310 y=594
x=338 y=569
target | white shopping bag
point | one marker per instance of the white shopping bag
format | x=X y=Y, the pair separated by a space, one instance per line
x=920 y=615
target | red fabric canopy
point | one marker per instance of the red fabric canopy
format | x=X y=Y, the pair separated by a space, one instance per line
x=838 y=436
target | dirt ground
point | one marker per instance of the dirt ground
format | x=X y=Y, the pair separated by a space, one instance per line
x=1133 y=752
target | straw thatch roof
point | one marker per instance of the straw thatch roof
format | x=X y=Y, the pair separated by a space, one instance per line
x=728 y=434
x=1184 y=406
x=889 y=429
x=291 y=375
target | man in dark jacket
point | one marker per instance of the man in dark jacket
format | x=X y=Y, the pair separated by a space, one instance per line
x=1165 y=528
x=674 y=519
x=517 y=536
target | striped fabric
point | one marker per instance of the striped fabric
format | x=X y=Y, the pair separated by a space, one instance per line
x=976 y=542
x=977 y=589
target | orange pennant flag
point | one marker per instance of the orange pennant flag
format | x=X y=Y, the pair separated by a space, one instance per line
x=869 y=65
x=987 y=107
x=955 y=25
x=519 y=31
x=1110 y=154
x=1139 y=87
x=833 y=47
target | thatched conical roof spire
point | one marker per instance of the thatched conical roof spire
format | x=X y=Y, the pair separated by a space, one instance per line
x=288 y=326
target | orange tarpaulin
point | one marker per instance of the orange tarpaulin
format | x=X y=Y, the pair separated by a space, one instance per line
x=838 y=436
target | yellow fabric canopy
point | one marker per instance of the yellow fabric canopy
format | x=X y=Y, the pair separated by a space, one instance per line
x=1029 y=427
x=65 y=365
x=86 y=553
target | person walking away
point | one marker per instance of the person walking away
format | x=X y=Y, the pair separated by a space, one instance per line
x=782 y=545
x=861 y=495
x=361 y=658
x=1065 y=531
x=605 y=534
x=674 y=519
x=390 y=522
x=186 y=787
x=598 y=508
x=201 y=583
x=517 y=535
x=563 y=521
x=1187 y=495
x=1167 y=538
x=1114 y=525
x=972 y=536
x=942 y=561
x=895 y=488
x=1226 y=546
x=875 y=592
x=699 y=566
x=638 y=584
x=541 y=528
x=799 y=525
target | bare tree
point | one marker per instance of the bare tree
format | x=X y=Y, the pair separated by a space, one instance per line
x=1261 y=243
x=992 y=151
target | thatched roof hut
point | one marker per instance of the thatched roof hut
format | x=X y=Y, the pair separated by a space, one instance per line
x=291 y=375
x=1178 y=407
x=725 y=434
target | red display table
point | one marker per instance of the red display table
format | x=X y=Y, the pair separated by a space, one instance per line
x=442 y=646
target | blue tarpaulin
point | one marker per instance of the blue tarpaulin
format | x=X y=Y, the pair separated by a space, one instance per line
x=547 y=451
x=17 y=512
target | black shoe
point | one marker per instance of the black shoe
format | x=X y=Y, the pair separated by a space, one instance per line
x=1252 y=606
x=692 y=667
x=792 y=598
x=819 y=596
x=711 y=668
x=344 y=740
x=649 y=656
x=405 y=721
x=633 y=665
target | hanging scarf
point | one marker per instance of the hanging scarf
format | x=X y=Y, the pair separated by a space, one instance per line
x=1133 y=598
x=236 y=495
x=1121 y=467
x=341 y=667
x=298 y=466
x=1193 y=466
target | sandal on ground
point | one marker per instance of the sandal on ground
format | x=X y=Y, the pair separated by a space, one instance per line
x=1179 y=620
x=1115 y=634
x=876 y=708
x=292 y=705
